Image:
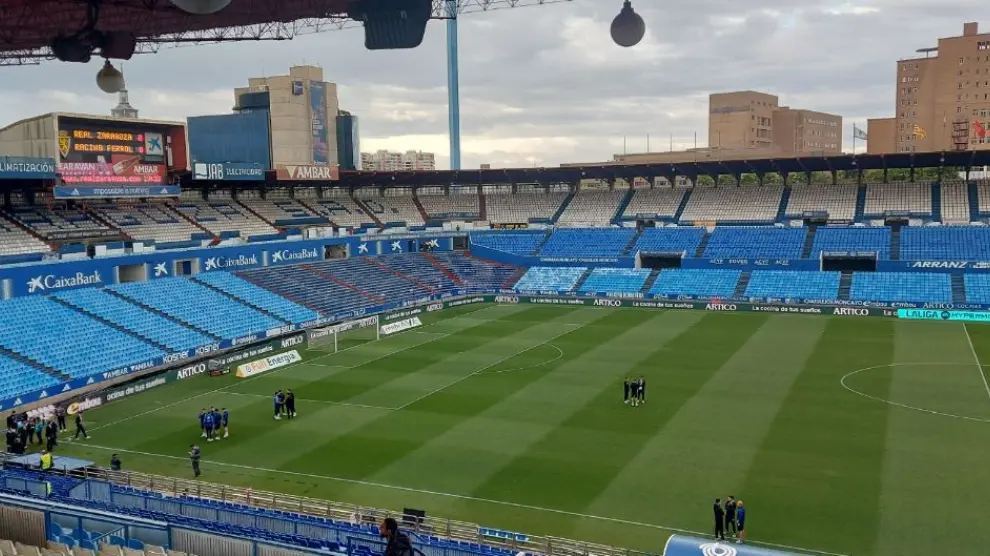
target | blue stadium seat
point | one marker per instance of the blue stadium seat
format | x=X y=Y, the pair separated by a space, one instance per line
x=615 y=280
x=793 y=285
x=977 y=288
x=518 y=243
x=670 y=240
x=40 y=329
x=199 y=306
x=587 y=242
x=127 y=315
x=904 y=287
x=478 y=275
x=756 y=242
x=696 y=282
x=420 y=270
x=258 y=297
x=550 y=278
x=852 y=239
x=955 y=243
x=20 y=378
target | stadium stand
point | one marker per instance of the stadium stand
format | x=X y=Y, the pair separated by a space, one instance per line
x=392 y=209
x=753 y=241
x=977 y=288
x=57 y=223
x=306 y=287
x=670 y=240
x=983 y=195
x=258 y=297
x=522 y=208
x=587 y=242
x=945 y=243
x=747 y=204
x=477 y=275
x=793 y=284
x=14 y=241
x=39 y=329
x=143 y=221
x=838 y=200
x=550 y=278
x=19 y=377
x=917 y=287
x=909 y=197
x=456 y=206
x=146 y=324
x=341 y=210
x=852 y=239
x=220 y=216
x=199 y=306
x=420 y=271
x=371 y=278
x=519 y=243
x=615 y=280
x=594 y=208
x=955 y=202
x=661 y=203
x=277 y=209
x=696 y=282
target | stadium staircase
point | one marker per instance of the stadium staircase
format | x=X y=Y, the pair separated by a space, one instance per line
x=809 y=242
x=111 y=324
x=257 y=215
x=446 y=271
x=958 y=289
x=368 y=211
x=632 y=242
x=782 y=209
x=539 y=246
x=482 y=207
x=163 y=314
x=50 y=371
x=346 y=285
x=238 y=300
x=974 y=201
x=895 y=243
x=860 y=203
x=845 y=284
x=621 y=209
x=683 y=205
x=580 y=281
x=422 y=210
x=742 y=284
x=937 y=201
x=373 y=261
x=562 y=208
x=95 y=215
x=649 y=282
x=700 y=252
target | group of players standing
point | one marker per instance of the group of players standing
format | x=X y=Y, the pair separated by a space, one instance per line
x=285 y=404
x=634 y=391
x=211 y=421
x=731 y=516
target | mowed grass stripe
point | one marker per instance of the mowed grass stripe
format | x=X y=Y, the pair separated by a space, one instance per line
x=714 y=428
x=398 y=433
x=816 y=479
x=931 y=488
x=529 y=407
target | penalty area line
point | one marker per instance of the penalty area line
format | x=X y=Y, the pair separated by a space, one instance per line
x=979 y=364
x=506 y=503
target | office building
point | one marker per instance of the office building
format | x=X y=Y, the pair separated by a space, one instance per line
x=348 y=141
x=942 y=99
x=387 y=161
x=753 y=120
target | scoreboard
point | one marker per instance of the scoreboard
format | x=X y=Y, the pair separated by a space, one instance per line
x=95 y=144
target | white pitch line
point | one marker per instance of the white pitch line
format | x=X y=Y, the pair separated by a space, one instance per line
x=317 y=358
x=324 y=402
x=506 y=503
x=486 y=367
x=979 y=365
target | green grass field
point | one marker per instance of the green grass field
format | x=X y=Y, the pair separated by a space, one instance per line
x=842 y=435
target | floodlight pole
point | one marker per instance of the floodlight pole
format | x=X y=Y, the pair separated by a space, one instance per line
x=453 y=89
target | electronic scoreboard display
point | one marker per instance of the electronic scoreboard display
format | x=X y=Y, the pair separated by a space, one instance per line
x=105 y=152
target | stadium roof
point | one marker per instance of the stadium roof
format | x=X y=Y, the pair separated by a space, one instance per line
x=572 y=174
x=94 y=117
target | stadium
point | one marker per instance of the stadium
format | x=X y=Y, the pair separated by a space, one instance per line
x=228 y=358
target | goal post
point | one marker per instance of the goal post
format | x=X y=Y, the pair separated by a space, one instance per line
x=344 y=335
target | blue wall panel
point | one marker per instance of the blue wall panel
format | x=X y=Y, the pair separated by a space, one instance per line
x=241 y=137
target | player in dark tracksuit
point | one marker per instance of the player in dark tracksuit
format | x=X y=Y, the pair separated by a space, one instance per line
x=279 y=399
x=208 y=426
x=194 y=456
x=730 y=514
x=625 y=391
x=226 y=420
x=290 y=404
x=202 y=421
x=719 y=520
x=642 y=389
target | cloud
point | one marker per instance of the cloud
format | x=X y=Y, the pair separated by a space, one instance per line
x=545 y=85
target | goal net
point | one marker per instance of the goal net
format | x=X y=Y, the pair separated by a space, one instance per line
x=344 y=335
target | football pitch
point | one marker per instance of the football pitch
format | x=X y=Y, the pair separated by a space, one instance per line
x=842 y=435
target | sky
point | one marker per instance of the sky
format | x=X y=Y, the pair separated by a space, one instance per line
x=546 y=85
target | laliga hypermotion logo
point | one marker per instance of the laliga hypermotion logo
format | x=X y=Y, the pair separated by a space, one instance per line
x=717 y=549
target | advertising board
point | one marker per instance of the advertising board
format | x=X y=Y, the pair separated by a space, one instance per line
x=310 y=172
x=228 y=171
x=269 y=363
x=95 y=141
x=24 y=168
x=118 y=171
x=319 y=122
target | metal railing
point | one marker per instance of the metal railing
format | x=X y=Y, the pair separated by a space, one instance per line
x=340 y=511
